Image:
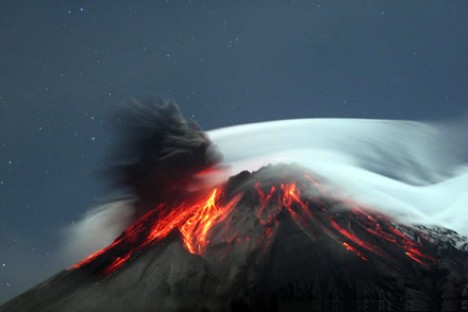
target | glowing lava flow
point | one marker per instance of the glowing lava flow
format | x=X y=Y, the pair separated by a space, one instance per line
x=193 y=220
x=362 y=232
x=310 y=213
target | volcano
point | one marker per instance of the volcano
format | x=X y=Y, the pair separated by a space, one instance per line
x=273 y=239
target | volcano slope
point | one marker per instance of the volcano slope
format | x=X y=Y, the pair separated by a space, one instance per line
x=263 y=241
x=269 y=240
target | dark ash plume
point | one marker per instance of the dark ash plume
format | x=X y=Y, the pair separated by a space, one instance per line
x=159 y=150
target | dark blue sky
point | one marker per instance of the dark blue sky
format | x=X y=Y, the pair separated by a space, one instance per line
x=65 y=65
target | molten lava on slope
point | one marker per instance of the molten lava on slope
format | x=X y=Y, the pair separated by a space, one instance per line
x=273 y=239
x=208 y=218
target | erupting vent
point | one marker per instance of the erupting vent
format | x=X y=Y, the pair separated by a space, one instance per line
x=213 y=213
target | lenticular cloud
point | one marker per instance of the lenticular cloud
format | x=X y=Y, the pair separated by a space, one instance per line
x=414 y=171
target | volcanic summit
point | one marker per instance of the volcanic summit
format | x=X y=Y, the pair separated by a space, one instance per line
x=274 y=239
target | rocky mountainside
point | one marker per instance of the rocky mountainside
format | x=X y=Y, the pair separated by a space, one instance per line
x=271 y=240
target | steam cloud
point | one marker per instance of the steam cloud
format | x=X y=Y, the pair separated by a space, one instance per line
x=416 y=172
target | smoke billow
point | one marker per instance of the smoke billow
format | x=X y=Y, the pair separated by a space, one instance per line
x=158 y=150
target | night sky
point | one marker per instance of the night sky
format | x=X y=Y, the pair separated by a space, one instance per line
x=66 y=65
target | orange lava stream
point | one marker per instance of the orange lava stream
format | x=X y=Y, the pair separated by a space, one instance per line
x=195 y=220
x=195 y=230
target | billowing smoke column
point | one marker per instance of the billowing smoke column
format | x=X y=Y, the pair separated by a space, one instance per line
x=338 y=215
x=160 y=151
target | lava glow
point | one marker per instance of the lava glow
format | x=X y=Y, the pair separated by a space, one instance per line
x=195 y=229
x=193 y=220
x=357 y=229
